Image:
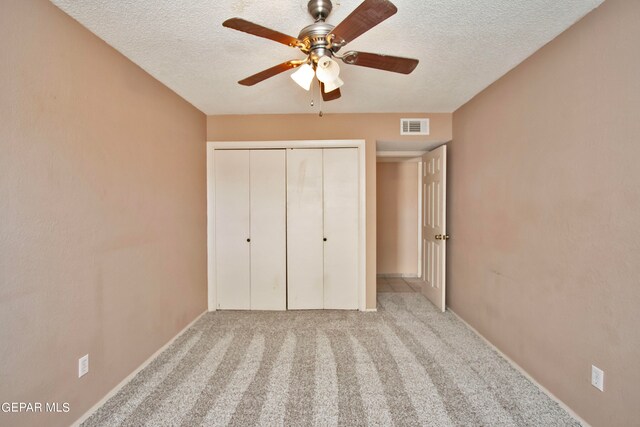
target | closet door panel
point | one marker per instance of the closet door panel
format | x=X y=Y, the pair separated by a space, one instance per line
x=232 y=229
x=341 y=228
x=268 y=230
x=304 y=229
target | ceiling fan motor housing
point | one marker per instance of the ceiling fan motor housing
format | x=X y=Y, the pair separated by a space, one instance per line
x=314 y=38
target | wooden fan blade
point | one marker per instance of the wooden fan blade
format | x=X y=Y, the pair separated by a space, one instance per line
x=366 y=16
x=270 y=72
x=334 y=94
x=260 y=31
x=381 y=62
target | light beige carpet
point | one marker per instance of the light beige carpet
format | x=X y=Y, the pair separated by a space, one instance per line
x=405 y=365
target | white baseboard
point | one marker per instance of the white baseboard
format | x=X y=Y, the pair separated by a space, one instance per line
x=522 y=371
x=129 y=377
x=396 y=275
x=370 y=310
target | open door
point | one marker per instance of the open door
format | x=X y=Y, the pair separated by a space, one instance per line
x=434 y=222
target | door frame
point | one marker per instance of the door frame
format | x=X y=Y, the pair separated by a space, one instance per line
x=420 y=208
x=212 y=146
x=408 y=157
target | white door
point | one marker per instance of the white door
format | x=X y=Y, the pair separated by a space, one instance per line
x=232 y=251
x=268 y=230
x=340 y=171
x=434 y=231
x=304 y=229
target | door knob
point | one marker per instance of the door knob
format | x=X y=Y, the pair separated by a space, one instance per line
x=442 y=237
x=438 y=236
x=445 y=237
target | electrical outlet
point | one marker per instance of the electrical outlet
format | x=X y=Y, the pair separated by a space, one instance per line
x=83 y=365
x=597 y=378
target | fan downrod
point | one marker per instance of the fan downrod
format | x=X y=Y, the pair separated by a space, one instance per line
x=319 y=9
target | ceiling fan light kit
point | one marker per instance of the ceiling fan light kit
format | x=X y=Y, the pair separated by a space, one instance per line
x=321 y=41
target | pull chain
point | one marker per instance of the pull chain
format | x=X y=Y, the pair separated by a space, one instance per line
x=312 y=103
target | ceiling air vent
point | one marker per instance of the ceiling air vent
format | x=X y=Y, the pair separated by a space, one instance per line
x=414 y=126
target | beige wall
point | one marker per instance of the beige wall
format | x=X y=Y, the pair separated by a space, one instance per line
x=544 y=208
x=397 y=218
x=370 y=127
x=103 y=213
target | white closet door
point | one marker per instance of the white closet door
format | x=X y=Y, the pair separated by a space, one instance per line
x=268 y=230
x=341 y=228
x=232 y=229
x=304 y=229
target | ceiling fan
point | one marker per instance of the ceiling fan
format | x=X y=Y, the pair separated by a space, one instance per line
x=320 y=42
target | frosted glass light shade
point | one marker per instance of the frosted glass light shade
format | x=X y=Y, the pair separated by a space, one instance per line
x=304 y=76
x=333 y=85
x=327 y=70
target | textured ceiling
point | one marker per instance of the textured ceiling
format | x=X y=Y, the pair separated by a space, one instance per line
x=463 y=46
